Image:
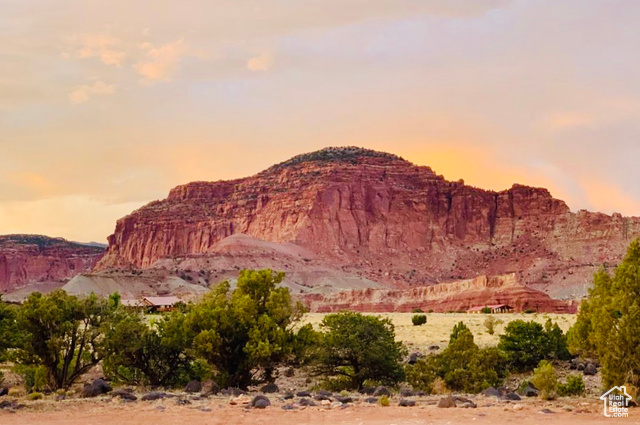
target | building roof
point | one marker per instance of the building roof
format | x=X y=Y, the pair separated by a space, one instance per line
x=491 y=306
x=160 y=301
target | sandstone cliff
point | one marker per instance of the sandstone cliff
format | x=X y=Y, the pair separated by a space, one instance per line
x=26 y=259
x=378 y=216
x=444 y=297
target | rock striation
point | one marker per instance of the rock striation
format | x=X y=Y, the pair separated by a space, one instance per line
x=457 y=296
x=381 y=217
x=26 y=259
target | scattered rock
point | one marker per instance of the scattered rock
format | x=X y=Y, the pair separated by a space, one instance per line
x=270 y=389
x=154 y=395
x=323 y=395
x=4 y=391
x=303 y=394
x=260 y=402
x=492 y=392
x=209 y=387
x=241 y=399
x=124 y=395
x=367 y=390
x=160 y=408
x=290 y=372
x=447 y=402
x=371 y=400
x=288 y=395
x=518 y=407
x=382 y=390
x=467 y=405
x=97 y=387
x=235 y=392
x=511 y=396
x=414 y=357
x=182 y=401
x=406 y=403
x=344 y=400
x=529 y=391
x=590 y=369
x=193 y=387
x=434 y=347
x=546 y=411
x=306 y=402
x=289 y=407
x=406 y=392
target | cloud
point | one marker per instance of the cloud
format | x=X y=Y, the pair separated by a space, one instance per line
x=103 y=47
x=160 y=63
x=82 y=94
x=261 y=62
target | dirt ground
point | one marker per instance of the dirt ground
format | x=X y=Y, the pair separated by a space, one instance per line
x=219 y=411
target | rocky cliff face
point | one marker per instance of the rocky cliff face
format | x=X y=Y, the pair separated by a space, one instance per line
x=26 y=259
x=445 y=297
x=381 y=217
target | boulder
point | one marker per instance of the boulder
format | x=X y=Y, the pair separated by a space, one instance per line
x=344 y=400
x=367 y=390
x=270 y=388
x=154 y=395
x=97 y=387
x=124 y=394
x=492 y=392
x=371 y=400
x=406 y=403
x=260 y=402
x=303 y=394
x=511 y=396
x=406 y=392
x=193 y=387
x=288 y=395
x=209 y=387
x=590 y=369
x=382 y=390
x=306 y=402
x=447 y=402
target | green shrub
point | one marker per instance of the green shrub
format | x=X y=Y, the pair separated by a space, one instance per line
x=529 y=311
x=462 y=366
x=545 y=380
x=490 y=323
x=486 y=310
x=608 y=323
x=383 y=401
x=458 y=328
x=35 y=378
x=573 y=386
x=419 y=319
x=527 y=343
x=418 y=310
x=35 y=396
x=359 y=347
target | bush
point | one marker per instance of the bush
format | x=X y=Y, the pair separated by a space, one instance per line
x=462 y=366
x=419 y=319
x=490 y=323
x=359 y=348
x=139 y=354
x=545 y=380
x=383 y=401
x=35 y=396
x=458 y=329
x=485 y=310
x=247 y=330
x=62 y=333
x=573 y=386
x=418 y=310
x=608 y=324
x=35 y=378
x=527 y=343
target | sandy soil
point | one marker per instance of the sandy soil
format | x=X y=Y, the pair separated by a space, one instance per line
x=218 y=411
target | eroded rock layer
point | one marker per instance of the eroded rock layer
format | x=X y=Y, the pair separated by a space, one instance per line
x=26 y=259
x=381 y=217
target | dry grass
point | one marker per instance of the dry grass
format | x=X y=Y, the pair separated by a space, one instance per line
x=438 y=327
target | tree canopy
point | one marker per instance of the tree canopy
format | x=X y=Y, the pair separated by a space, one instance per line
x=608 y=323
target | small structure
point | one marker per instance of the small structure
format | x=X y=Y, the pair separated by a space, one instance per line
x=160 y=304
x=495 y=308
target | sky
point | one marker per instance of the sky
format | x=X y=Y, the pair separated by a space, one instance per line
x=105 y=105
